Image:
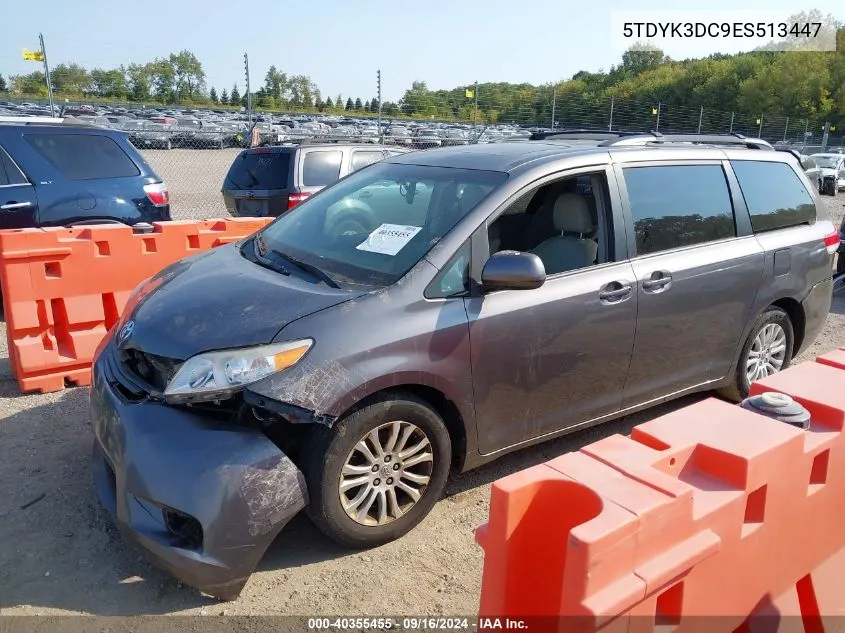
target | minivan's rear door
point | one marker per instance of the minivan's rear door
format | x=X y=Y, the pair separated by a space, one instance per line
x=319 y=168
x=258 y=182
x=18 y=201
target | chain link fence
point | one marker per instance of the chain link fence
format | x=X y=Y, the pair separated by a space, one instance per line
x=192 y=147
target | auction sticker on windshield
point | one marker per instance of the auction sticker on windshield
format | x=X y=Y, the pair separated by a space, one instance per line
x=389 y=239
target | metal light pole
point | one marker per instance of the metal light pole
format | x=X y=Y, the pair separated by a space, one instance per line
x=700 y=116
x=475 y=115
x=610 y=125
x=378 y=80
x=760 y=129
x=785 y=129
x=248 y=92
x=732 y=124
x=657 y=126
x=47 y=74
x=554 y=102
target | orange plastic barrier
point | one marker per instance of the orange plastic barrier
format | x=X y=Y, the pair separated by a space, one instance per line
x=64 y=288
x=711 y=518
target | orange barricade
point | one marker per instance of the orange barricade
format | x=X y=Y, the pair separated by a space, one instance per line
x=709 y=519
x=64 y=288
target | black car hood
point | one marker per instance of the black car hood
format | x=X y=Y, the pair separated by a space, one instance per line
x=219 y=300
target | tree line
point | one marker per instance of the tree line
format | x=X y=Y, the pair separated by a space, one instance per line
x=799 y=84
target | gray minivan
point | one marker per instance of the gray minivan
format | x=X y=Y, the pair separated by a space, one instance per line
x=500 y=295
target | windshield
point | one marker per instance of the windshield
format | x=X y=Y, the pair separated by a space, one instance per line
x=374 y=226
x=828 y=162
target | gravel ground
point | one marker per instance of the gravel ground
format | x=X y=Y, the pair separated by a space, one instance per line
x=194 y=178
x=61 y=555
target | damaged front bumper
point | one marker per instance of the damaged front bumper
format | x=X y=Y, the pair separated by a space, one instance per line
x=204 y=499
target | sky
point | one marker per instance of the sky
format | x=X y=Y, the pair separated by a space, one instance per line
x=341 y=44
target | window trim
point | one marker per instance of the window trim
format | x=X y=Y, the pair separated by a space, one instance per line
x=742 y=220
x=620 y=246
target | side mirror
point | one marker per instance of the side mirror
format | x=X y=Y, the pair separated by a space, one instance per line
x=512 y=270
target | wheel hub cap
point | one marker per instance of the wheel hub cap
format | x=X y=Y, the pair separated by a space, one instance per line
x=386 y=473
x=767 y=353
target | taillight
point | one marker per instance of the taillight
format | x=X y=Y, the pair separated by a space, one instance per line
x=157 y=193
x=831 y=242
x=295 y=198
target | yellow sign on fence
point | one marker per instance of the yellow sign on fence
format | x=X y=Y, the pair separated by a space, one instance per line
x=470 y=93
x=33 y=56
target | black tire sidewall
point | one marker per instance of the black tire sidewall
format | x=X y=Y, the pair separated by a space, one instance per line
x=329 y=452
x=771 y=315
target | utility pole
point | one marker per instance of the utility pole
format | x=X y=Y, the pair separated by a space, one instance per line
x=760 y=129
x=378 y=82
x=248 y=92
x=610 y=125
x=825 y=135
x=657 y=125
x=700 y=116
x=731 y=131
x=475 y=116
x=47 y=74
x=554 y=102
x=785 y=129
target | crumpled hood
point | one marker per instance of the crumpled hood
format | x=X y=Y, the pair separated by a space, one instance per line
x=219 y=300
x=827 y=171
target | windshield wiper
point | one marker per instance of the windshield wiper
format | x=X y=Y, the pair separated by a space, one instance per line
x=310 y=269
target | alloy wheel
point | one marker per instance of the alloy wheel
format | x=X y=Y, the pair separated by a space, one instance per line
x=767 y=353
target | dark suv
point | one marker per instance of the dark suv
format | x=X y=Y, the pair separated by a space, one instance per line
x=502 y=295
x=56 y=172
x=268 y=181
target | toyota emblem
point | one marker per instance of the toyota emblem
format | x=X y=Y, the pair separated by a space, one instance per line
x=126 y=330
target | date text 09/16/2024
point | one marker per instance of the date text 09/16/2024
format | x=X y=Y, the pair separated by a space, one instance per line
x=417 y=623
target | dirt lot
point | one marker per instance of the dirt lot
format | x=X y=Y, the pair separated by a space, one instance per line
x=194 y=178
x=59 y=553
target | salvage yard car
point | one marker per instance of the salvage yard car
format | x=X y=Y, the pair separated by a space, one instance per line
x=499 y=296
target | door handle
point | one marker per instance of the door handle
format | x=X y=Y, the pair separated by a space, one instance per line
x=658 y=280
x=15 y=205
x=615 y=292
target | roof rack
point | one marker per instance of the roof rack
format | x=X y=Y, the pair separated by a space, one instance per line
x=582 y=135
x=656 y=138
x=44 y=120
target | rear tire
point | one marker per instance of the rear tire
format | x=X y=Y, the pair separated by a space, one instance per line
x=358 y=486
x=772 y=320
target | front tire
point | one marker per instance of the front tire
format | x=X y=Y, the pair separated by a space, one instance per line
x=375 y=475
x=767 y=350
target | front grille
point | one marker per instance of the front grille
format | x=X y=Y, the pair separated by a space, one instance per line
x=156 y=371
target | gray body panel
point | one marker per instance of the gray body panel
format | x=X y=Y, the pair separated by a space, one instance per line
x=506 y=368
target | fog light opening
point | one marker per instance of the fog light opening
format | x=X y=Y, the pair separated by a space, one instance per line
x=184 y=527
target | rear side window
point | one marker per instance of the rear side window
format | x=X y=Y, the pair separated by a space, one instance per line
x=362 y=159
x=321 y=168
x=9 y=172
x=259 y=170
x=83 y=156
x=775 y=195
x=679 y=205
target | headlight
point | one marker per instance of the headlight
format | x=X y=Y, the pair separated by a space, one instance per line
x=216 y=375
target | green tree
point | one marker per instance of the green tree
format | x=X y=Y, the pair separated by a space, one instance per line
x=358 y=104
x=3 y=86
x=329 y=102
x=32 y=84
x=188 y=77
x=162 y=76
x=224 y=97
x=70 y=79
x=138 y=80
x=374 y=105
x=276 y=84
x=212 y=94
x=349 y=104
x=338 y=102
x=367 y=106
x=108 y=83
x=235 y=96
